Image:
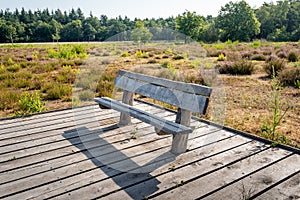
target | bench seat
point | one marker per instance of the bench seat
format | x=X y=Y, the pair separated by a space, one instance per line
x=160 y=123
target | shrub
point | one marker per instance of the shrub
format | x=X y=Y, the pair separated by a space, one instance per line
x=178 y=57
x=221 y=57
x=258 y=57
x=166 y=65
x=276 y=63
x=281 y=54
x=13 y=68
x=292 y=57
x=241 y=67
x=8 y=99
x=125 y=54
x=86 y=95
x=58 y=91
x=246 y=55
x=30 y=103
x=2 y=68
x=256 y=44
x=67 y=74
x=289 y=76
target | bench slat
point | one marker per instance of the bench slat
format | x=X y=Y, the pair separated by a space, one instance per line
x=164 y=125
x=173 y=97
x=184 y=87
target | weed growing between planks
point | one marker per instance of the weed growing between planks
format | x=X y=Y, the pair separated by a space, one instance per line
x=269 y=128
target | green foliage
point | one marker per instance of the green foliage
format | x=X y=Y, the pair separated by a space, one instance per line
x=221 y=57
x=30 y=103
x=237 y=21
x=68 y=52
x=125 y=54
x=141 y=35
x=297 y=84
x=67 y=74
x=270 y=127
x=279 y=22
x=256 y=44
x=190 y=24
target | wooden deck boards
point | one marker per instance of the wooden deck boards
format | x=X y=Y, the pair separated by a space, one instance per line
x=82 y=154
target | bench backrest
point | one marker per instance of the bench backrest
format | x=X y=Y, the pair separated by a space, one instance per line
x=186 y=96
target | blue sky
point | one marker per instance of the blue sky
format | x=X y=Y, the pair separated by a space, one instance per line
x=130 y=8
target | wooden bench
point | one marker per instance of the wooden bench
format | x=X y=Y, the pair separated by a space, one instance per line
x=186 y=97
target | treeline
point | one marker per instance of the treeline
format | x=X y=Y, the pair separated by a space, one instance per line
x=236 y=21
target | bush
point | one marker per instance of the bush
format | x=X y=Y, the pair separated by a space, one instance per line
x=58 y=91
x=258 y=57
x=236 y=68
x=8 y=99
x=13 y=68
x=178 y=57
x=125 y=54
x=221 y=57
x=292 y=57
x=276 y=63
x=281 y=54
x=86 y=95
x=289 y=76
x=30 y=103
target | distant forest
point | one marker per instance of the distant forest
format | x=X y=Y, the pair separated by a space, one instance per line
x=236 y=21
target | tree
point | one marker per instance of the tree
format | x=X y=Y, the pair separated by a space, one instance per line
x=56 y=26
x=237 y=21
x=7 y=32
x=141 y=34
x=189 y=24
x=72 y=31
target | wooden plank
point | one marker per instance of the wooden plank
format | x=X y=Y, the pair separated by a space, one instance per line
x=28 y=141
x=192 y=102
x=86 y=178
x=76 y=114
x=99 y=117
x=40 y=117
x=87 y=137
x=165 y=125
x=249 y=184
x=30 y=181
x=201 y=184
x=58 y=153
x=141 y=186
x=181 y=86
x=288 y=189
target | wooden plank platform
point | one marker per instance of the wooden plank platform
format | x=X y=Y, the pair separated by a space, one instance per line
x=81 y=154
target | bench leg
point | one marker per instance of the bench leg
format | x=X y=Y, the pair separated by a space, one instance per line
x=179 y=143
x=125 y=119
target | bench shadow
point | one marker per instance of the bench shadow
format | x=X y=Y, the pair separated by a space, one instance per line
x=114 y=163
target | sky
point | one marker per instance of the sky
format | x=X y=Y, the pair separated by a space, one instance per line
x=130 y=8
